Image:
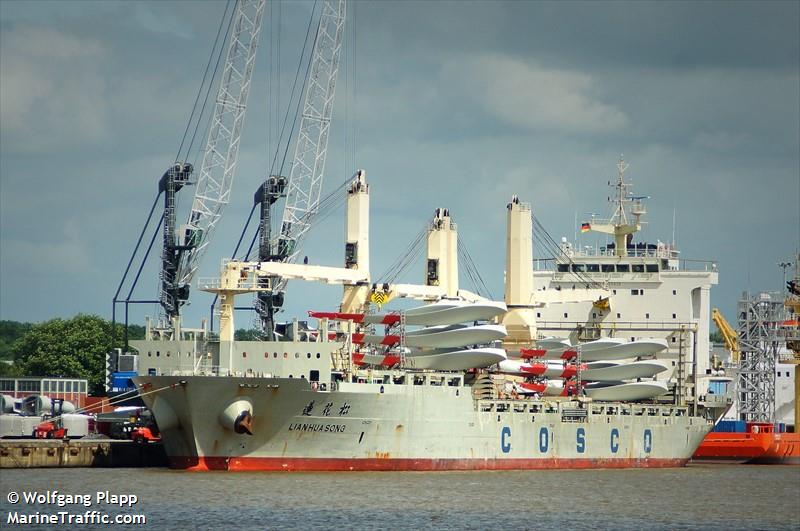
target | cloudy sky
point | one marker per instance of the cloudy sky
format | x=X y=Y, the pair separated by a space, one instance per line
x=453 y=104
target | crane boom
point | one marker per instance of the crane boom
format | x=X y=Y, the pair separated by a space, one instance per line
x=305 y=178
x=303 y=187
x=180 y=259
x=729 y=335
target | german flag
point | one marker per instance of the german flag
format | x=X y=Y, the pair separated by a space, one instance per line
x=586 y=227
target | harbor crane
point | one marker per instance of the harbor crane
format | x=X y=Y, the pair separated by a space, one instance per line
x=303 y=187
x=183 y=250
x=183 y=247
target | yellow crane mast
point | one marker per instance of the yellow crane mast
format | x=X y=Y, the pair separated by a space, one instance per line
x=729 y=335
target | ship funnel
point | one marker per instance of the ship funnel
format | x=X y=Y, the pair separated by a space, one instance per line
x=238 y=417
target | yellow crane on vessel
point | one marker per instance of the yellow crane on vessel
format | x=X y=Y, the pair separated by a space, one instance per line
x=729 y=335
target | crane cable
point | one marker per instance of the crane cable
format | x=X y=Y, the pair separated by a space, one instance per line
x=291 y=96
x=471 y=269
x=203 y=83
x=122 y=397
x=406 y=258
x=559 y=255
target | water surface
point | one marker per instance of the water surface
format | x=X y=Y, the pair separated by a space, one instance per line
x=696 y=497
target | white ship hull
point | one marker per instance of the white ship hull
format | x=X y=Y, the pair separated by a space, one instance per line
x=405 y=427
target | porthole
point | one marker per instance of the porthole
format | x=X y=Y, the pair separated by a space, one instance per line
x=317 y=355
x=309 y=355
x=285 y=355
x=296 y=355
x=244 y=354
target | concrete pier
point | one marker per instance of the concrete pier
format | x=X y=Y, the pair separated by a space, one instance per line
x=43 y=453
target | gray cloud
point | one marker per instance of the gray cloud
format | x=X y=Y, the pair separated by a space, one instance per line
x=455 y=104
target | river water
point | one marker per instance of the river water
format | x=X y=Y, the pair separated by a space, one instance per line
x=696 y=497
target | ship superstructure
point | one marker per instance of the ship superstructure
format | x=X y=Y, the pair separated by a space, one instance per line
x=632 y=290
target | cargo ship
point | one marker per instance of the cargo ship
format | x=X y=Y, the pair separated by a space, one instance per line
x=478 y=384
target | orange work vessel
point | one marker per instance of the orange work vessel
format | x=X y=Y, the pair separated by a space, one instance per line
x=758 y=444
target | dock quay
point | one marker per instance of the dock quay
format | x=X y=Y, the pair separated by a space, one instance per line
x=38 y=453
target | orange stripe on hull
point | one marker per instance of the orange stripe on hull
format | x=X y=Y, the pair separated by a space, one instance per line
x=297 y=464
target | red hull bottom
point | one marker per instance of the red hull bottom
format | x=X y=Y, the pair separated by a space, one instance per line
x=298 y=464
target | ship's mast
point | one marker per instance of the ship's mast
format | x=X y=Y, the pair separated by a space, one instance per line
x=622 y=223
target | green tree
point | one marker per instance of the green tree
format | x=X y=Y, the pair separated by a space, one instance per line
x=244 y=334
x=11 y=331
x=73 y=348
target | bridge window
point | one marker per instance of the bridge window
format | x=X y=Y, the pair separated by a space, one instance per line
x=623 y=268
x=578 y=268
x=593 y=268
x=563 y=268
x=638 y=268
x=607 y=268
x=651 y=268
